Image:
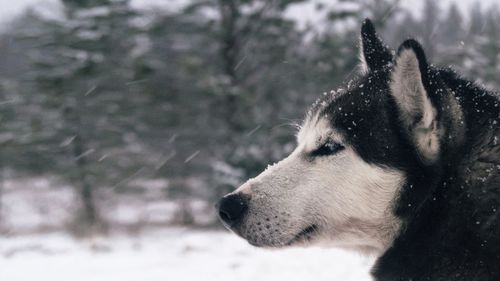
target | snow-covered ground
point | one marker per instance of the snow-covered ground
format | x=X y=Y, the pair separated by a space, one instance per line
x=35 y=204
x=170 y=254
x=40 y=205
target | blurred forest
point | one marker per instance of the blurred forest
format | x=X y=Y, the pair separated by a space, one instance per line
x=168 y=109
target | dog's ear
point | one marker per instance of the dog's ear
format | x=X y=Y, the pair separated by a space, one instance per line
x=410 y=88
x=373 y=54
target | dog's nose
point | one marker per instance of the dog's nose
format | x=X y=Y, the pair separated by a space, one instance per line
x=232 y=208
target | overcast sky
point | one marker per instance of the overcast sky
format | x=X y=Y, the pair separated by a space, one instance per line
x=9 y=8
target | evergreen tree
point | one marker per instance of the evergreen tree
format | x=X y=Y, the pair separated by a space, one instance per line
x=80 y=69
x=226 y=54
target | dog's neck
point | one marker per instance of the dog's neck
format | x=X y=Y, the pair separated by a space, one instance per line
x=476 y=119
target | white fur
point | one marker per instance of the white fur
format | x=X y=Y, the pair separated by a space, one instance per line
x=412 y=100
x=314 y=132
x=363 y=65
x=349 y=200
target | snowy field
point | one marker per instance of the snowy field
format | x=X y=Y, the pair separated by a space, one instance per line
x=170 y=254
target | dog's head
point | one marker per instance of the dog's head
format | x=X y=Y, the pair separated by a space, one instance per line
x=342 y=183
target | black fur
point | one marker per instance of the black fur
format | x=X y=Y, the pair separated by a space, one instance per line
x=375 y=53
x=450 y=208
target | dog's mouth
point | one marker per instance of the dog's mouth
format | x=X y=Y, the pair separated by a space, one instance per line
x=305 y=235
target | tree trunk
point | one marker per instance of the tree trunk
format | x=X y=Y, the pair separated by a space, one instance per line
x=230 y=52
x=86 y=193
x=89 y=213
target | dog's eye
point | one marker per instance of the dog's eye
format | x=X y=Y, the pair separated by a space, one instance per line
x=328 y=148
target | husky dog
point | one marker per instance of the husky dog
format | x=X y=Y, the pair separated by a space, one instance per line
x=403 y=164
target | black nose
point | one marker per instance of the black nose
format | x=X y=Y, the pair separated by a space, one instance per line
x=232 y=208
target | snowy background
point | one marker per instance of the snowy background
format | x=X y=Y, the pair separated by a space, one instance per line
x=122 y=123
x=169 y=254
x=41 y=249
